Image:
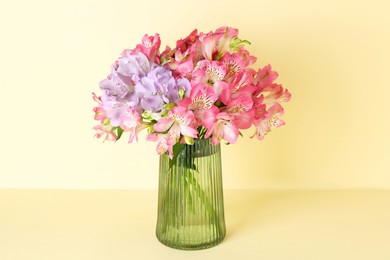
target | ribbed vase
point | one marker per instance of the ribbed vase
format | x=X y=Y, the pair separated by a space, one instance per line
x=190 y=198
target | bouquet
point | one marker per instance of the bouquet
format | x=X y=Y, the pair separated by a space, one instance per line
x=202 y=88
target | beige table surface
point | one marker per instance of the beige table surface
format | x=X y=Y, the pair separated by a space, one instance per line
x=119 y=224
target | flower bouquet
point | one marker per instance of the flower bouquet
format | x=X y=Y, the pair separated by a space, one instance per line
x=189 y=99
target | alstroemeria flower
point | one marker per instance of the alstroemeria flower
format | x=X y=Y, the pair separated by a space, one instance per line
x=114 y=109
x=178 y=121
x=224 y=128
x=275 y=95
x=150 y=47
x=201 y=102
x=264 y=79
x=215 y=44
x=159 y=87
x=184 y=44
x=133 y=65
x=240 y=106
x=100 y=113
x=165 y=143
x=236 y=62
x=203 y=84
x=106 y=130
x=210 y=73
x=270 y=120
x=130 y=122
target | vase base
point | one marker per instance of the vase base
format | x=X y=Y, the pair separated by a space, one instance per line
x=192 y=238
x=191 y=247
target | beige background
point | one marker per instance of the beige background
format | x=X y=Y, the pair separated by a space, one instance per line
x=332 y=55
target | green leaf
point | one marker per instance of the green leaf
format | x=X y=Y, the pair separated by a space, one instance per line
x=187 y=163
x=119 y=132
x=176 y=149
x=236 y=42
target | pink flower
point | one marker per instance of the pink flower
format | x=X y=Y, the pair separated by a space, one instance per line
x=223 y=129
x=211 y=73
x=106 y=130
x=165 y=143
x=242 y=82
x=240 y=106
x=204 y=84
x=201 y=102
x=130 y=122
x=276 y=94
x=270 y=120
x=150 y=47
x=100 y=113
x=216 y=44
x=264 y=79
x=182 y=65
x=236 y=62
x=179 y=121
x=184 y=44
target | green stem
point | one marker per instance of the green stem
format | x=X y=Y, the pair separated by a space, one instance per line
x=201 y=194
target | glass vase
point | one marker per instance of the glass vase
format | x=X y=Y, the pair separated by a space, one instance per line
x=190 y=197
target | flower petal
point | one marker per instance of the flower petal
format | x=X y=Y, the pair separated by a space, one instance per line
x=163 y=124
x=186 y=130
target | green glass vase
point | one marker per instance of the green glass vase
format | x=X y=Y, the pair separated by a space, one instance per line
x=190 y=197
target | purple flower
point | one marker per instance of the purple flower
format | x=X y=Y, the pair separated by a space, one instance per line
x=159 y=87
x=138 y=83
x=134 y=66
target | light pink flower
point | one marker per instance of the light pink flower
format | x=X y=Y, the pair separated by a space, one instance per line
x=100 y=113
x=105 y=131
x=276 y=94
x=270 y=120
x=179 y=121
x=165 y=143
x=215 y=44
x=130 y=122
x=224 y=128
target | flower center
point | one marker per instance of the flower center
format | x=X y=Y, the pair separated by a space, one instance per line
x=237 y=109
x=178 y=119
x=201 y=102
x=214 y=74
x=273 y=121
x=232 y=69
